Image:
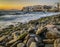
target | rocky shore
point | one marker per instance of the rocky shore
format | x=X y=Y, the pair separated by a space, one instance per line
x=44 y=32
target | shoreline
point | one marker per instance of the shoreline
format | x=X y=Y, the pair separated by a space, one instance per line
x=13 y=23
x=20 y=31
x=41 y=21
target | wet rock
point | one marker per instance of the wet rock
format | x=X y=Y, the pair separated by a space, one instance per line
x=15 y=44
x=33 y=44
x=42 y=32
x=1 y=46
x=29 y=42
x=58 y=26
x=39 y=31
x=39 y=41
x=11 y=26
x=51 y=35
x=21 y=31
x=31 y=29
x=16 y=38
x=57 y=43
x=22 y=36
x=50 y=26
x=25 y=41
x=49 y=41
x=26 y=38
x=2 y=38
x=20 y=45
x=41 y=44
x=53 y=32
x=49 y=45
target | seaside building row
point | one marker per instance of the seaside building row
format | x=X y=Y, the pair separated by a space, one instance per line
x=40 y=8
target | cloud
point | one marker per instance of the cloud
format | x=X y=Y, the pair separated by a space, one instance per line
x=28 y=1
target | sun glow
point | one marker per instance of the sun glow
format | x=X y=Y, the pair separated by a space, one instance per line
x=10 y=6
x=19 y=4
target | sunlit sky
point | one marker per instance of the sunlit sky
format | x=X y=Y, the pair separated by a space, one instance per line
x=18 y=4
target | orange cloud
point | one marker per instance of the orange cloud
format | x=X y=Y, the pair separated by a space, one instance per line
x=11 y=6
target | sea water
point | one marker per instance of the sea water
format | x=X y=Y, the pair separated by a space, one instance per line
x=12 y=19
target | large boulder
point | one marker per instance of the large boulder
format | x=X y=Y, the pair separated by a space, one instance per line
x=52 y=32
x=51 y=35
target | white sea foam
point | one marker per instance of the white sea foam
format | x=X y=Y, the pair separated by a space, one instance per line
x=11 y=19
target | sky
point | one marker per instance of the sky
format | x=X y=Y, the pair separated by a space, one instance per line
x=19 y=4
